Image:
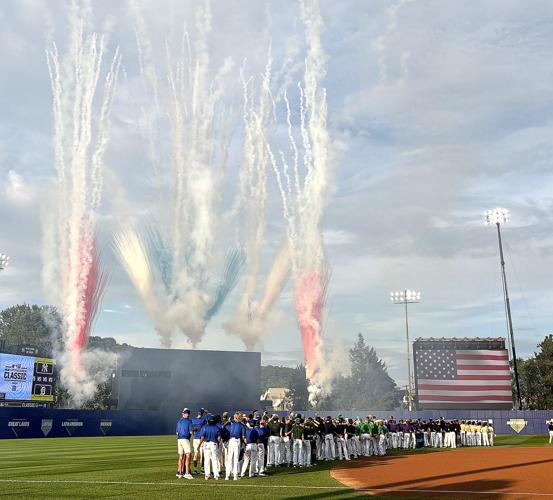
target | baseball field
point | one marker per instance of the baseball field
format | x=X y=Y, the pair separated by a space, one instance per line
x=144 y=467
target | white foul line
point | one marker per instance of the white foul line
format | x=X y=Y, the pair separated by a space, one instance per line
x=299 y=486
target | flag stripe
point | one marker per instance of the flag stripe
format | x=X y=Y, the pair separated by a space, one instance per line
x=462 y=394
x=461 y=367
x=500 y=363
x=484 y=377
x=428 y=388
x=486 y=352
x=474 y=399
x=490 y=357
x=502 y=382
x=481 y=372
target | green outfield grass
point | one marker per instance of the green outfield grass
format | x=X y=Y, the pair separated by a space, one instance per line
x=144 y=467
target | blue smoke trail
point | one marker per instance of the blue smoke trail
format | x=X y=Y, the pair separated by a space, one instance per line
x=160 y=254
x=233 y=269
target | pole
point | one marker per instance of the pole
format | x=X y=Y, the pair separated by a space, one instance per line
x=509 y=318
x=409 y=388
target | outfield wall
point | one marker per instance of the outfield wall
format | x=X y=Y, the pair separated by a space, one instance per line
x=46 y=422
x=535 y=420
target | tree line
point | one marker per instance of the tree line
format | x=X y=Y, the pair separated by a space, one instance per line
x=367 y=384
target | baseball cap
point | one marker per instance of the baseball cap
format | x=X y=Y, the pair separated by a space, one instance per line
x=186 y=410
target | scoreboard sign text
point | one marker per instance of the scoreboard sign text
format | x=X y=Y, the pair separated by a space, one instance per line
x=26 y=378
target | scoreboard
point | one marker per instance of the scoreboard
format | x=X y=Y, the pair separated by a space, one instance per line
x=26 y=378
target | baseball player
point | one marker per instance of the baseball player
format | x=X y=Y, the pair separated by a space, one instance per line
x=236 y=431
x=297 y=444
x=341 y=437
x=184 y=432
x=197 y=424
x=250 y=453
x=210 y=434
x=491 y=433
x=275 y=437
x=328 y=431
x=382 y=431
x=485 y=434
x=286 y=449
x=263 y=433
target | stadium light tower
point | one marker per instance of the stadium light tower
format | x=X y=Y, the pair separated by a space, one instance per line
x=500 y=216
x=4 y=261
x=407 y=297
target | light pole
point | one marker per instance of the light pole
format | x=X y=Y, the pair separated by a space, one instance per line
x=407 y=297
x=4 y=261
x=500 y=216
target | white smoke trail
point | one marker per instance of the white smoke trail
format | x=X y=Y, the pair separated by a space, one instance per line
x=258 y=115
x=191 y=97
x=380 y=44
x=303 y=194
x=72 y=277
x=250 y=318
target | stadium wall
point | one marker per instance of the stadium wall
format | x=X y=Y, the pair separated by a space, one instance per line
x=535 y=420
x=47 y=422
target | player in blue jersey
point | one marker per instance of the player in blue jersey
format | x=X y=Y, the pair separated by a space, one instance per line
x=263 y=433
x=184 y=432
x=197 y=425
x=237 y=435
x=250 y=454
x=210 y=436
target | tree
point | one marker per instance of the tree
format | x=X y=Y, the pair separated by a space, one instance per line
x=298 y=389
x=30 y=324
x=536 y=377
x=368 y=387
x=292 y=378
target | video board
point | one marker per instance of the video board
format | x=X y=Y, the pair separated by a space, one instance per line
x=26 y=378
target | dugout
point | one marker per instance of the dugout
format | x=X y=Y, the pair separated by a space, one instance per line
x=167 y=380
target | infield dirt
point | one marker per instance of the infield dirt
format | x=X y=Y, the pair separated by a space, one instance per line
x=476 y=473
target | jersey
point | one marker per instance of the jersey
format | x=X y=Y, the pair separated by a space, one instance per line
x=274 y=428
x=263 y=433
x=297 y=431
x=210 y=433
x=236 y=430
x=251 y=435
x=197 y=424
x=309 y=433
x=184 y=428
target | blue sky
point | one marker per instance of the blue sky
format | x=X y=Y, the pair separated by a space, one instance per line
x=438 y=110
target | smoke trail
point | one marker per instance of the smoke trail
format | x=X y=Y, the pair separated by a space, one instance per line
x=249 y=321
x=160 y=253
x=233 y=268
x=180 y=255
x=73 y=275
x=302 y=179
x=258 y=115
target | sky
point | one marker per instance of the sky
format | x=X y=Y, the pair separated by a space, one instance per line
x=437 y=111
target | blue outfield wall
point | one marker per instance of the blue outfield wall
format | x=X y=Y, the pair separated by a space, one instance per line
x=46 y=422
x=535 y=420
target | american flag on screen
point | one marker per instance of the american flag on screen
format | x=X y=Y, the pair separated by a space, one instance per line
x=448 y=376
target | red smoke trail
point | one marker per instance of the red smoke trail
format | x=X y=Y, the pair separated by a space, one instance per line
x=92 y=281
x=310 y=300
